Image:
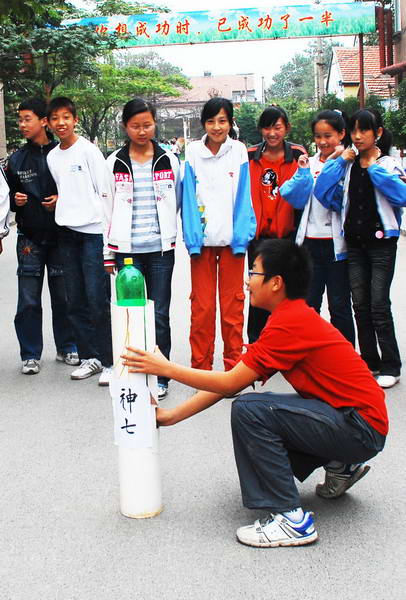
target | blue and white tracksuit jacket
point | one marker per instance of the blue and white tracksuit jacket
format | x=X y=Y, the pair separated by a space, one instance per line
x=332 y=187
x=216 y=201
x=298 y=191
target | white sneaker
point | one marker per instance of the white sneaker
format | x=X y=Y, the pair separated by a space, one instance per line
x=87 y=368
x=162 y=391
x=105 y=376
x=387 y=381
x=278 y=530
x=30 y=367
x=70 y=358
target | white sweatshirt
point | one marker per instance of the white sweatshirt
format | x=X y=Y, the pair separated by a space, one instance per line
x=84 y=193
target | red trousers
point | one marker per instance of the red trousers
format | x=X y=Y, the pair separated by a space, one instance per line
x=212 y=264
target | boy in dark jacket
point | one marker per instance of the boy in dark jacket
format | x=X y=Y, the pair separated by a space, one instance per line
x=33 y=197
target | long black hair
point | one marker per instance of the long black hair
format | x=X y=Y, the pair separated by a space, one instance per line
x=370 y=119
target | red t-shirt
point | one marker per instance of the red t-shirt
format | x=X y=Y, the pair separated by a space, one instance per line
x=316 y=359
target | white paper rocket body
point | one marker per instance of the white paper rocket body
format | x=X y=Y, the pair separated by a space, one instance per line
x=135 y=430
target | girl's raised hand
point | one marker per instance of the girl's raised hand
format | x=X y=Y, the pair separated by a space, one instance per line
x=303 y=161
x=338 y=150
x=349 y=154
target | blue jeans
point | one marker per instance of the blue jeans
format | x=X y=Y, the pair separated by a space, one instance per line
x=332 y=275
x=157 y=268
x=32 y=260
x=88 y=292
x=279 y=436
x=371 y=272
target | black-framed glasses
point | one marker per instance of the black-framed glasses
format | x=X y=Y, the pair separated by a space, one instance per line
x=251 y=273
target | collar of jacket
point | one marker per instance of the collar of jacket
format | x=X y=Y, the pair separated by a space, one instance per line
x=124 y=153
x=33 y=146
x=287 y=148
x=205 y=152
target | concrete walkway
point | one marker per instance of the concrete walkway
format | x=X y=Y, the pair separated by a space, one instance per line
x=62 y=536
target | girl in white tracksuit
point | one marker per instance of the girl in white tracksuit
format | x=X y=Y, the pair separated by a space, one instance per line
x=320 y=228
x=218 y=223
x=364 y=185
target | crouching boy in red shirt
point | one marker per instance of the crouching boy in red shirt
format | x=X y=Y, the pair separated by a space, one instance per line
x=336 y=417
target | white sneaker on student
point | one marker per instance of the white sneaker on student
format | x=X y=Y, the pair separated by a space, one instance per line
x=88 y=367
x=105 y=376
x=70 y=358
x=278 y=530
x=30 y=367
x=387 y=381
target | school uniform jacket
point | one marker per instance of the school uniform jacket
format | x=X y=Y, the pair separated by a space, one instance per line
x=298 y=191
x=166 y=184
x=286 y=222
x=216 y=201
x=332 y=190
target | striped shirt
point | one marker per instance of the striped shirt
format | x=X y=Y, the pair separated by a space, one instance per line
x=145 y=231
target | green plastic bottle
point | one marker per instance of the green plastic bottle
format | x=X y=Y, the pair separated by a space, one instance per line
x=130 y=286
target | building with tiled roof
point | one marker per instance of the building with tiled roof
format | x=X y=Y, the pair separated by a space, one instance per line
x=182 y=114
x=343 y=75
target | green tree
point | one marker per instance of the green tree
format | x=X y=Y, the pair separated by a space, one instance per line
x=295 y=78
x=350 y=104
x=36 y=58
x=122 y=7
x=395 y=120
x=246 y=117
x=100 y=97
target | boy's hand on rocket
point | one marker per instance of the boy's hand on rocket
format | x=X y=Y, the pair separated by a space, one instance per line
x=140 y=361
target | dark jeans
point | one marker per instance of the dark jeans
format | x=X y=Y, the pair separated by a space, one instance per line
x=279 y=436
x=157 y=268
x=332 y=275
x=371 y=272
x=88 y=292
x=32 y=260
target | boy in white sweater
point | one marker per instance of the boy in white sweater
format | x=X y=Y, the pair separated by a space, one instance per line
x=84 y=201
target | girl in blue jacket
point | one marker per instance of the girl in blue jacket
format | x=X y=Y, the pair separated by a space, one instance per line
x=364 y=185
x=320 y=228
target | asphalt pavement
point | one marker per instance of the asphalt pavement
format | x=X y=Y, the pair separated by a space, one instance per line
x=62 y=536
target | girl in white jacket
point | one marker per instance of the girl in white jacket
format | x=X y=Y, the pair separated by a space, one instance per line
x=218 y=223
x=320 y=228
x=146 y=198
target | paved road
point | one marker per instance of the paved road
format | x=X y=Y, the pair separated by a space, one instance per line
x=62 y=536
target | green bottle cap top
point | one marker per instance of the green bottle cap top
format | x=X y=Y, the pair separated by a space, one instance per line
x=128 y=261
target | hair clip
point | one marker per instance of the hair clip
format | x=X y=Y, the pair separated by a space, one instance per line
x=337 y=111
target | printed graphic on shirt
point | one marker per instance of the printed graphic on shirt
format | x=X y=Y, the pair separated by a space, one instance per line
x=270 y=182
x=27 y=176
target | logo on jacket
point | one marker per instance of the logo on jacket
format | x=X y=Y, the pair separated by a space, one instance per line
x=164 y=175
x=123 y=177
x=76 y=168
x=270 y=180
